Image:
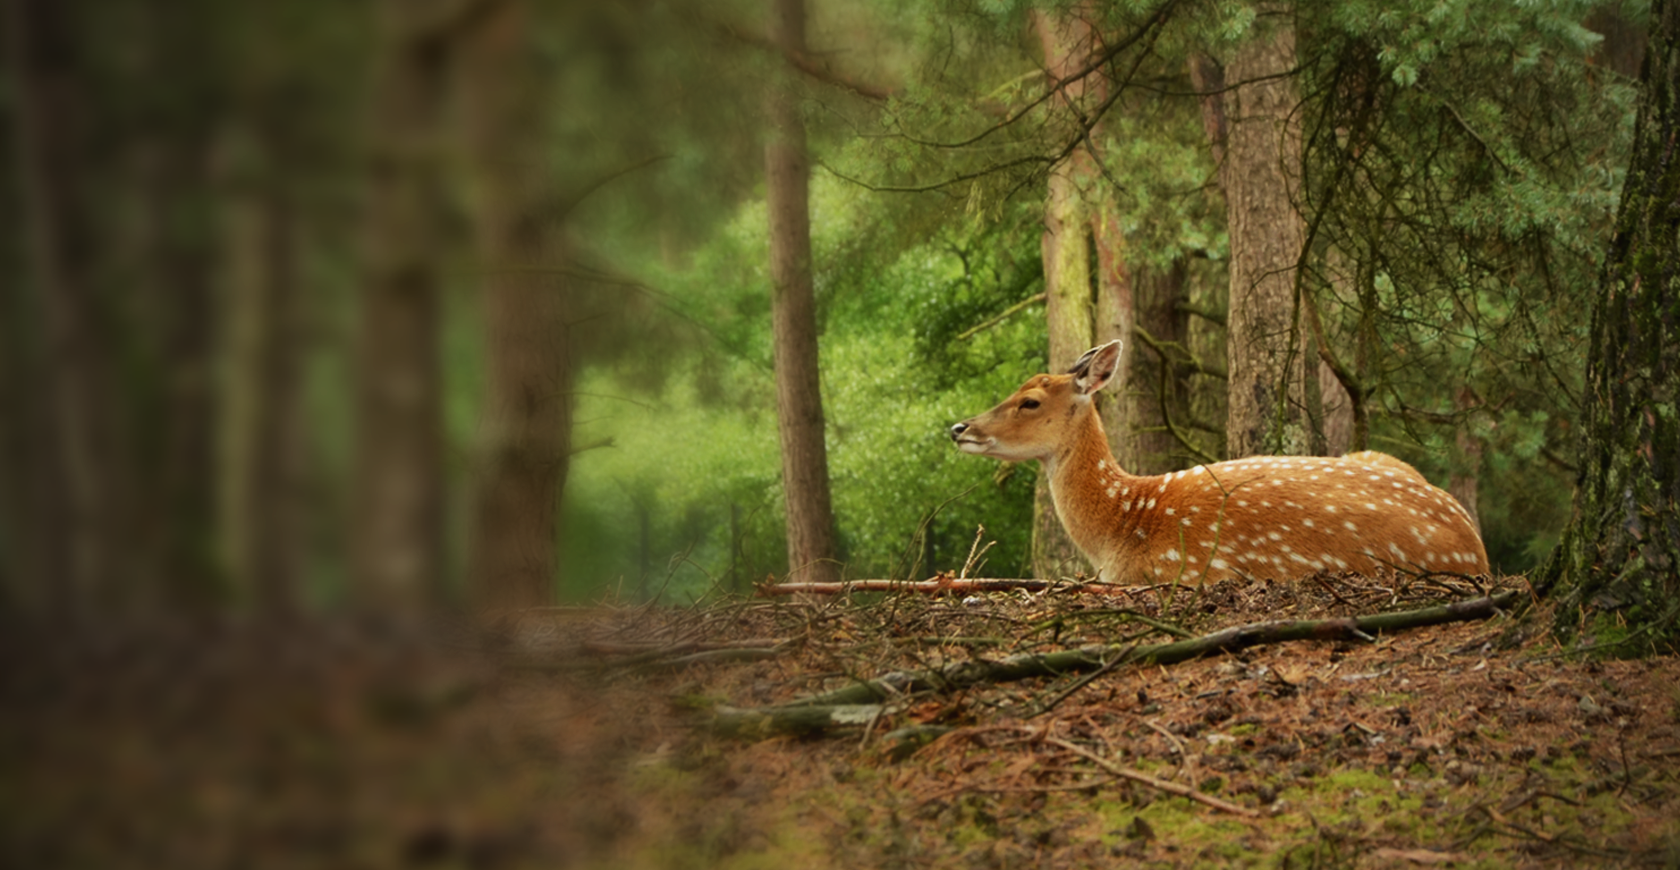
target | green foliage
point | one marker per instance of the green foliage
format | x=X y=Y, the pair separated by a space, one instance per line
x=1462 y=163
x=697 y=462
x=1463 y=166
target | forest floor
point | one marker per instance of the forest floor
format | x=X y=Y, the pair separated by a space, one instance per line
x=579 y=737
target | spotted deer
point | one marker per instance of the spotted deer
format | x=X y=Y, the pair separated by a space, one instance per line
x=1264 y=517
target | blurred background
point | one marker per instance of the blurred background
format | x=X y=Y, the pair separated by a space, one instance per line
x=470 y=303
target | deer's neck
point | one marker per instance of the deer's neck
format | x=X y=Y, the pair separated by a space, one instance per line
x=1089 y=488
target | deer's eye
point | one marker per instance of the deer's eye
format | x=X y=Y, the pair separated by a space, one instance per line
x=1028 y=404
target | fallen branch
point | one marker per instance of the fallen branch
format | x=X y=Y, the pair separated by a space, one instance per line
x=761 y=722
x=963 y=674
x=936 y=586
x=643 y=657
x=654 y=649
x=1152 y=782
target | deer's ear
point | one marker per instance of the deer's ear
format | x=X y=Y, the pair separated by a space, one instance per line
x=1096 y=368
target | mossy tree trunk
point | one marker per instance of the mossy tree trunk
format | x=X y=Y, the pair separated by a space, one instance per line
x=811 y=536
x=1621 y=549
x=1088 y=280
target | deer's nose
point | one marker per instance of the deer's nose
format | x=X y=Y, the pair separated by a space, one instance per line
x=957 y=430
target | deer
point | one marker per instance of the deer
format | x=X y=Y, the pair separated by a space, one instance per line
x=1260 y=517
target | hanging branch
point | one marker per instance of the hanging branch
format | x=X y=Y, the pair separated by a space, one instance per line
x=1001 y=317
x=1161 y=391
x=1349 y=381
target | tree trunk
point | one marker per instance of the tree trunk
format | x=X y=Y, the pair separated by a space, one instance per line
x=1261 y=179
x=397 y=497
x=262 y=431
x=1621 y=548
x=810 y=515
x=1071 y=291
x=514 y=553
x=1157 y=398
x=1465 y=482
x=86 y=537
x=1623 y=48
x=1335 y=423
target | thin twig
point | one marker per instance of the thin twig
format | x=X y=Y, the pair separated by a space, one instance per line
x=1152 y=782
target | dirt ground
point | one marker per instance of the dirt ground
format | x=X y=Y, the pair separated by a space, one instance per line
x=581 y=737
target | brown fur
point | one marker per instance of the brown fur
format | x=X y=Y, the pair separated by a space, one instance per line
x=1264 y=516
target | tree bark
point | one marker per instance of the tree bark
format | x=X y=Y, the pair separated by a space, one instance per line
x=1265 y=349
x=514 y=550
x=397 y=490
x=810 y=515
x=1621 y=548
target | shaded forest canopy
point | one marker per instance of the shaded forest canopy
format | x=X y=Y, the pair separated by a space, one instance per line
x=267 y=262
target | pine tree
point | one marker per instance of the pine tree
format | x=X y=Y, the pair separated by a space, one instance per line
x=1621 y=549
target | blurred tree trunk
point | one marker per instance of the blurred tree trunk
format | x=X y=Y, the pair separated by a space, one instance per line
x=262 y=440
x=172 y=307
x=812 y=547
x=1262 y=157
x=397 y=490
x=35 y=542
x=30 y=551
x=179 y=528
x=1621 y=548
x=84 y=527
x=514 y=546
